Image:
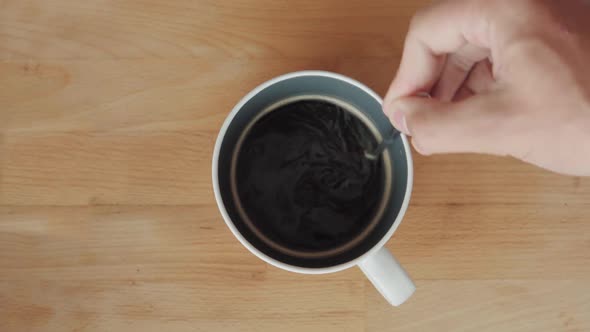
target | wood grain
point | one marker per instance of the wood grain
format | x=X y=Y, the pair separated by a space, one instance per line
x=108 y=115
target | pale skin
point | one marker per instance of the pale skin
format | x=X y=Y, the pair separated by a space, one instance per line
x=507 y=77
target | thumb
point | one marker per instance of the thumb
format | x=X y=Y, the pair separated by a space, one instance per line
x=473 y=125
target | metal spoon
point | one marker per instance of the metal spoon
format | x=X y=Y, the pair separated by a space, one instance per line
x=373 y=155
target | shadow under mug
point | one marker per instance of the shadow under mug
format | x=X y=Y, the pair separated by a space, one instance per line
x=378 y=264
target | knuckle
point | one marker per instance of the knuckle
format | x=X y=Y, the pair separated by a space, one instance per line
x=533 y=11
x=525 y=14
x=461 y=63
x=520 y=6
x=526 y=4
x=417 y=19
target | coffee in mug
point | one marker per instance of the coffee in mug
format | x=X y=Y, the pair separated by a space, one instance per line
x=302 y=180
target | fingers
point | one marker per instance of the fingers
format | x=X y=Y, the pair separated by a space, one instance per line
x=473 y=125
x=442 y=29
x=480 y=80
x=446 y=53
x=456 y=70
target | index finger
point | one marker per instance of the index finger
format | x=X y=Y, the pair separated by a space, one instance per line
x=435 y=32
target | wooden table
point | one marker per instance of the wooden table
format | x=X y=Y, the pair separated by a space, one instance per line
x=108 y=115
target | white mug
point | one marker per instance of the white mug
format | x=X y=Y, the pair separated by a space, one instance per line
x=378 y=264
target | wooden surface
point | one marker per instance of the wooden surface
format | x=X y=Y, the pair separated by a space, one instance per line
x=108 y=115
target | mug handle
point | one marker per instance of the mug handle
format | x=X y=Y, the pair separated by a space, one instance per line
x=388 y=276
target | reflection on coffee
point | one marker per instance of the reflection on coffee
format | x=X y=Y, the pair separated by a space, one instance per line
x=303 y=180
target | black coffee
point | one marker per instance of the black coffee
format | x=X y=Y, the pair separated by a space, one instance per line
x=303 y=179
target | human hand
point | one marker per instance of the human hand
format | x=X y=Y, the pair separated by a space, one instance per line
x=507 y=78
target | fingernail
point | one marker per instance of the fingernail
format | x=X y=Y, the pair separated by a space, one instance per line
x=399 y=121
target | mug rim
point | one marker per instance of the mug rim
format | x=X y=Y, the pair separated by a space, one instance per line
x=227 y=218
